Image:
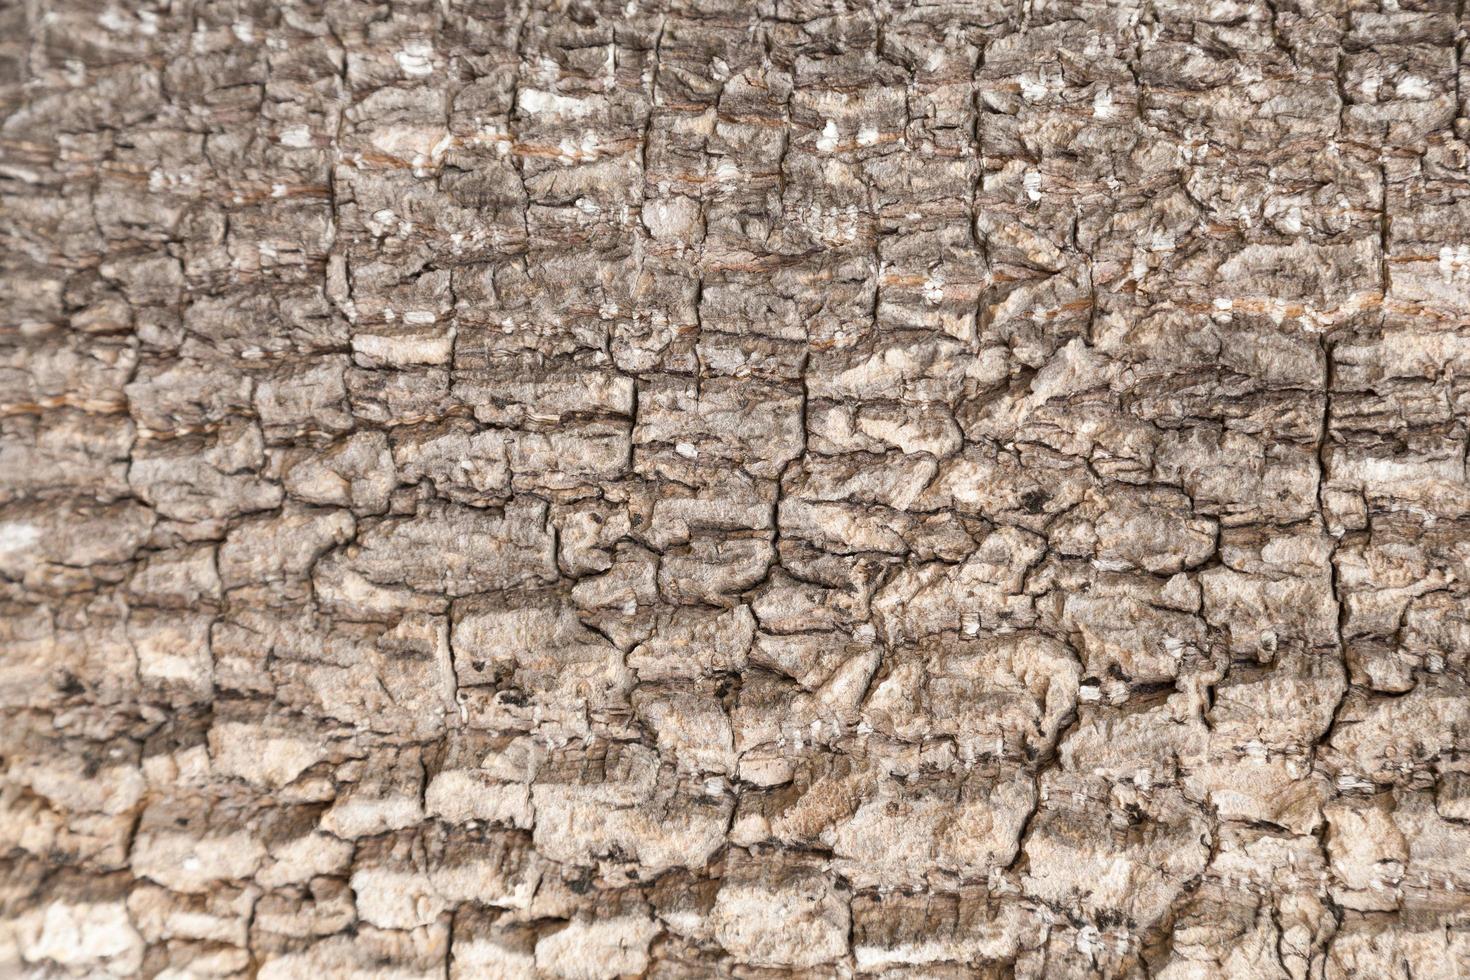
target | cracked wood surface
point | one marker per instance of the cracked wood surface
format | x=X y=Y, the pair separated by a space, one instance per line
x=503 y=489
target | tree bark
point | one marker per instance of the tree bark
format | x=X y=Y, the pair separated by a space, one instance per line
x=694 y=489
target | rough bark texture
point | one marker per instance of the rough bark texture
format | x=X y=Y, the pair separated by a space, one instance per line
x=722 y=488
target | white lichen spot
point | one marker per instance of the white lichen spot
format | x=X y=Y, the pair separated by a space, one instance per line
x=244 y=31
x=1276 y=310
x=686 y=450
x=112 y=20
x=420 y=317
x=382 y=221
x=1033 y=89
x=536 y=102
x=278 y=190
x=1102 y=104
x=1161 y=241
x=1454 y=260
x=867 y=136
x=297 y=136
x=1413 y=87
x=934 y=287
x=416 y=59
x=1031 y=181
x=17 y=536
x=1291 y=221
x=827 y=142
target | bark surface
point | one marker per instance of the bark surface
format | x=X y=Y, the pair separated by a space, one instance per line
x=714 y=488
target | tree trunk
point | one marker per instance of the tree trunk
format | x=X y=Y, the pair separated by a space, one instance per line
x=610 y=489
